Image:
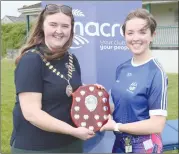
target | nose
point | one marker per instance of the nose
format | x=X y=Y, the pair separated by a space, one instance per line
x=135 y=37
x=58 y=30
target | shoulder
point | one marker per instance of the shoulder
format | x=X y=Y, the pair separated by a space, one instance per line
x=74 y=57
x=30 y=57
x=122 y=65
x=157 y=74
x=158 y=69
x=29 y=61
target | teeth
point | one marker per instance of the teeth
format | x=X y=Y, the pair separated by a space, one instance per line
x=136 y=45
x=58 y=37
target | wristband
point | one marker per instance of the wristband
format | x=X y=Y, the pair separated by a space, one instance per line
x=117 y=127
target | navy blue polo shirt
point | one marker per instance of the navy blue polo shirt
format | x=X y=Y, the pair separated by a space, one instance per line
x=32 y=75
x=139 y=91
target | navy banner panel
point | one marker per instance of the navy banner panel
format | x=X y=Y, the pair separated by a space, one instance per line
x=99 y=44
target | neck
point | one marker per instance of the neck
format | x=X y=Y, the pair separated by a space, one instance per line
x=52 y=50
x=142 y=58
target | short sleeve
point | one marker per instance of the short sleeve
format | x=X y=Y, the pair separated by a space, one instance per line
x=158 y=94
x=28 y=74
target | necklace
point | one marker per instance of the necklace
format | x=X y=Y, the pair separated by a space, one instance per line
x=69 y=89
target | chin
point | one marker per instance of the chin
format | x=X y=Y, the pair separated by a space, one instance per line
x=138 y=52
x=57 y=46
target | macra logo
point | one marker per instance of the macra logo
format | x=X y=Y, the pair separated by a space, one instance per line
x=79 y=41
x=92 y=29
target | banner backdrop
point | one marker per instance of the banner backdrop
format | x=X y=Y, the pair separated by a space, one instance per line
x=98 y=42
x=99 y=45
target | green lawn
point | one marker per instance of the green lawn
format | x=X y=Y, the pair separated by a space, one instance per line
x=8 y=99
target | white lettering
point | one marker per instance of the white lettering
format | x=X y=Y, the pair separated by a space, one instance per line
x=105 y=47
x=121 y=48
x=106 y=42
x=95 y=29
x=113 y=29
x=102 y=29
x=81 y=28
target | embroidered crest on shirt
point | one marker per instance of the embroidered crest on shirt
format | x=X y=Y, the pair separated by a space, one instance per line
x=132 y=87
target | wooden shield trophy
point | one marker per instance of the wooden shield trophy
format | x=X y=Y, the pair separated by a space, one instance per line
x=90 y=107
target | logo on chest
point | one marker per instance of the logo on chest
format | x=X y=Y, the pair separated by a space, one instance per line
x=132 y=87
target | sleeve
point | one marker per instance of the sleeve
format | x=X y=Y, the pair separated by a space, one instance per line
x=28 y=74
x=158 y=95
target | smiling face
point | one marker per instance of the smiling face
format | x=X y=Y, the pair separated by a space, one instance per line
x=57 y=30
x=138 y=36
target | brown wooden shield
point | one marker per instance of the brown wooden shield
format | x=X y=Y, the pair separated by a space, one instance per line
x=90 y=107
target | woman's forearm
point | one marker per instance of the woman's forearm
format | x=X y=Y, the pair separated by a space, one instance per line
x=143 y=127
x=46 y=122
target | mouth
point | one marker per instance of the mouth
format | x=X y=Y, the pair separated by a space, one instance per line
x=137 y=45
x=57 y=37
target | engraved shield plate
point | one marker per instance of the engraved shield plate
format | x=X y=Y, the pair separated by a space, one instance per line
x=90 y=107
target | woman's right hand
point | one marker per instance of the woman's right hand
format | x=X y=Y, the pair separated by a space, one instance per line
x=83 y=133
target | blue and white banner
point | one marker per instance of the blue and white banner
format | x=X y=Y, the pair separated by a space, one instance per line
x=98 y=42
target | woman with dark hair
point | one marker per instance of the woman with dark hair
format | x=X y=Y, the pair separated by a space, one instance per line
x=139 y=95
x=46 y=74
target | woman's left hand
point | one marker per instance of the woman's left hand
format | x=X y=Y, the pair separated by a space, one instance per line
x=99 y=86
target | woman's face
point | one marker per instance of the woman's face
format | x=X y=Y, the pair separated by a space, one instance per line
x=57 y=30
x=137 y=37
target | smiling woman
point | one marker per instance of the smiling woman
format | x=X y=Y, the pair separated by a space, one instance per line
x=44 y=85
x=139 y=95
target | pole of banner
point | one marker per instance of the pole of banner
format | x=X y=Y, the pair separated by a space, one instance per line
x=148 y=7
x=28 y=25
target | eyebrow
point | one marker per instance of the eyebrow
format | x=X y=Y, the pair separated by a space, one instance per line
x=65 y=24
x=129 y=30
x=52 y=22
x=142 y=29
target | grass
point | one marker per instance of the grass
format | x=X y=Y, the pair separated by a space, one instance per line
x=8 y=100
